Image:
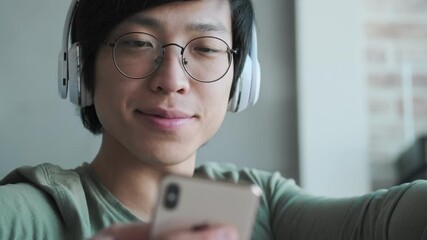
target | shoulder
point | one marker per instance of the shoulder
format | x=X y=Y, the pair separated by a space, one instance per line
x=407 y=204
x=27 y=211
x=276 y=191
x=51 y=179
x=227 y=171
x=230 y=172
x=44 y=199
x=42 y=174
x=274 y=186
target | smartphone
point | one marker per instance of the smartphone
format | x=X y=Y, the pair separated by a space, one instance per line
x=191 y=203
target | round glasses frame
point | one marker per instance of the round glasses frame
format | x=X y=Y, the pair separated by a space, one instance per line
x=229 y=51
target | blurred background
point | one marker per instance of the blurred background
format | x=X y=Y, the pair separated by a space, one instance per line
x=342 y=109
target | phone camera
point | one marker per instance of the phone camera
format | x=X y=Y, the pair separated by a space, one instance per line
x=171 y=196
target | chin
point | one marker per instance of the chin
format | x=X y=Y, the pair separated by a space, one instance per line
x=167 y=156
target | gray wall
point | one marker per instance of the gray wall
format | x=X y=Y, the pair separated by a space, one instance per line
x=331 y=98
x=37 y=126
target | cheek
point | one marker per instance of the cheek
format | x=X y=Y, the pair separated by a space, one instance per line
x=103 y=104
x=217 y=96
x=109 y=82
x=109 y=90
x=104 y=84
x=228 y=83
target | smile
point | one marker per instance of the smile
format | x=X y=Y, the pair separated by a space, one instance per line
x=165 y=120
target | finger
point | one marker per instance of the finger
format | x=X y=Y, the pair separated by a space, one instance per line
x=123 y=231
x=209 y=233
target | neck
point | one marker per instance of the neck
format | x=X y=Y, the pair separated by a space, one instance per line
x=134 y=181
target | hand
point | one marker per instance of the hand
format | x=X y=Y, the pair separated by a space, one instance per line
x=141 y=232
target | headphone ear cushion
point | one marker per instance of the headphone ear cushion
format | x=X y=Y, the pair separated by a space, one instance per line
x=78 y=92
x=74 y=73
x=247 y=89
x=256 y=71
x=241 y=95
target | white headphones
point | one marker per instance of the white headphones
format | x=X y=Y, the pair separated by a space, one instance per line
x=248 y=84
x=69 y=72
x=69 y=66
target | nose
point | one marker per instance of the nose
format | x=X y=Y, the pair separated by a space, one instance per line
x=171 y=76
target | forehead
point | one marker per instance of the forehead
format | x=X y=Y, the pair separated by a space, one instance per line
x=207 y=17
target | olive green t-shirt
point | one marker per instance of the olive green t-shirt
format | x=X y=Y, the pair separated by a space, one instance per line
x=48 y=202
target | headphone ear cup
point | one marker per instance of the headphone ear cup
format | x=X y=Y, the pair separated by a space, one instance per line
x=69 y=66
x=62 y=75
x=247 y=89
x=78 y=92
x=241 y=95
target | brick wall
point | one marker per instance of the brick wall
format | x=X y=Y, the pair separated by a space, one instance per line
x=395 y=36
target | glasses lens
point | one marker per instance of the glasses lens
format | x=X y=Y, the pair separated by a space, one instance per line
x=137 y=55
x=207 y=59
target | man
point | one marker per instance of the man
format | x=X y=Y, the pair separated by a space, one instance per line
x=158 y=78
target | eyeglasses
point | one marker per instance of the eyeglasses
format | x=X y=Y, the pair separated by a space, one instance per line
x=138 y=55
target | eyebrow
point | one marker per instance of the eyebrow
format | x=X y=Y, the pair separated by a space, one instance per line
x=197 y=27
x=206 y=27
x=145 y=21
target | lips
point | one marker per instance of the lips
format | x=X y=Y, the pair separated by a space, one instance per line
x=162 y=113
x=165 y=119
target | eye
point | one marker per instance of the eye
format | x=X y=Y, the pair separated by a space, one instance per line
x=137 y=44
x=207 y=47
x=206 y=50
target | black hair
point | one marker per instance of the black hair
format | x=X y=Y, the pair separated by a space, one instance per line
x=94 y=19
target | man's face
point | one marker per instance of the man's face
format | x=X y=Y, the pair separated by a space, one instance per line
x=163 y=119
